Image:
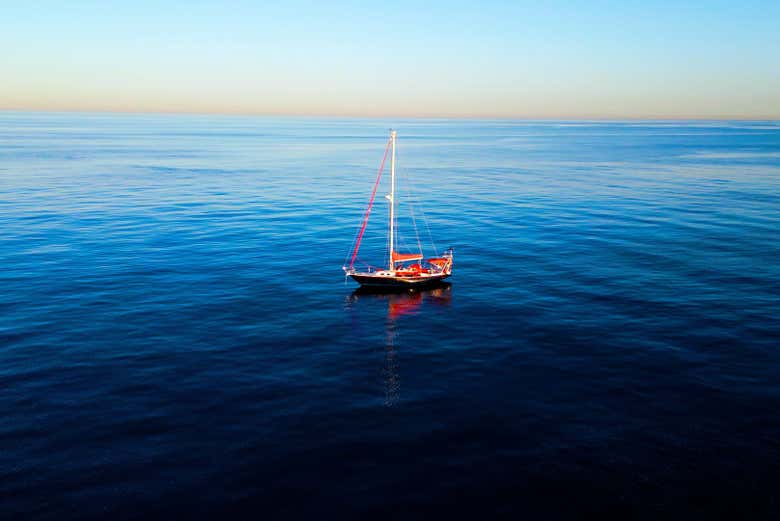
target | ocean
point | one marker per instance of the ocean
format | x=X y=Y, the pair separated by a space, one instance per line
x=178 y=340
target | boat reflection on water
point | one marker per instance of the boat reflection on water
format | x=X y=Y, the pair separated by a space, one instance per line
x=400 y=303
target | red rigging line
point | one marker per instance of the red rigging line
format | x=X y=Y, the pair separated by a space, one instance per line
x=370 y=204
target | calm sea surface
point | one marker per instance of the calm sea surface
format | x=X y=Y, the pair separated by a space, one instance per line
x=177 y=339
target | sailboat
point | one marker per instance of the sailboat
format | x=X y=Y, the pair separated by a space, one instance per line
x=404 y=270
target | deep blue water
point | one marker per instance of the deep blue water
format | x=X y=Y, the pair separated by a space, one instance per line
x=177 y=339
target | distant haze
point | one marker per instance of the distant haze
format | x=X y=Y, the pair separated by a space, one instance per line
x=652 y=59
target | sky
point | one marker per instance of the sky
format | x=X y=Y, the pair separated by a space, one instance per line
x=395 y=58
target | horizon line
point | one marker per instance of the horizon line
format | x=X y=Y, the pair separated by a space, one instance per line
x=387 y=116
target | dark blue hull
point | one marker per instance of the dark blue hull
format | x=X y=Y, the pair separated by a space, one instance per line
x=398 y=282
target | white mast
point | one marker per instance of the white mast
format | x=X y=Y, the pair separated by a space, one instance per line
x=392 y=201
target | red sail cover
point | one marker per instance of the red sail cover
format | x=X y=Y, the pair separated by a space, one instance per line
x=398 y=257
x=438 y=261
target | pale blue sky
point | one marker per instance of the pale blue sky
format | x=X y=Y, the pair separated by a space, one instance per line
x=652 y=59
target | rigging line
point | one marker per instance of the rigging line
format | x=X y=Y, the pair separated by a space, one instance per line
x=370 y=204
x=406 y=182
x=413 y=196
x=359 y=232
x=404 y=175
x=368 y=266
x=411 y=210
x=430 y=235
x=351 y=246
